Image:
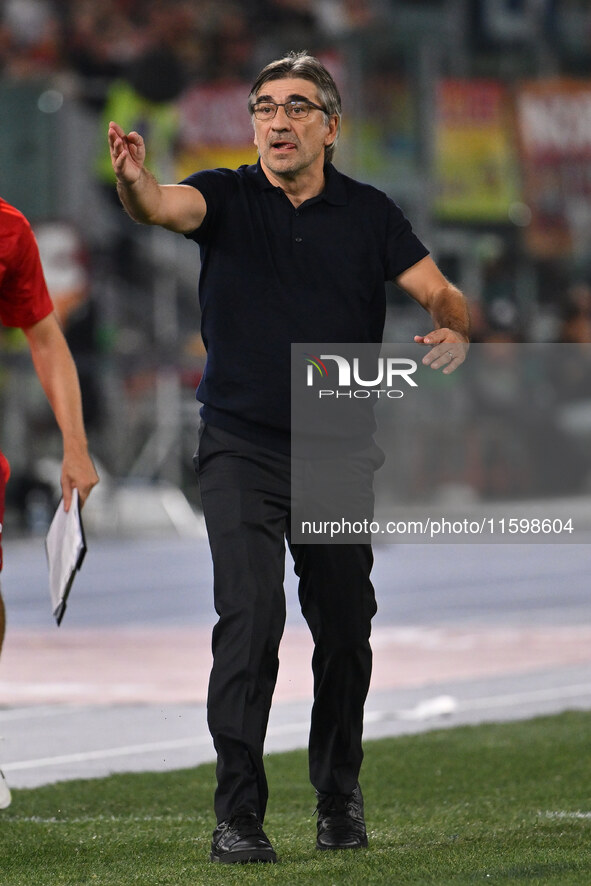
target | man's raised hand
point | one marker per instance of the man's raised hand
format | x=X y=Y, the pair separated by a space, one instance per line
x=128 y=153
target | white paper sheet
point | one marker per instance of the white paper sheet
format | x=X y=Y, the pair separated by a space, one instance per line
x=65 y=546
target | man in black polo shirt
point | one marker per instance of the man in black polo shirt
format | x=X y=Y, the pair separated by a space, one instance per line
x=291 y=251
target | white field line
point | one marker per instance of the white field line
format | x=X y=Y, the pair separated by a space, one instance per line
x=105 y=753
x=132 y=750
x=569 y=815
x=556 y=693
x=476 y=704
x=34 y=712
x=104 y=819
x=445 y=705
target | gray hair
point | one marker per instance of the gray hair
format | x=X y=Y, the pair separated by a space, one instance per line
x=300 y=64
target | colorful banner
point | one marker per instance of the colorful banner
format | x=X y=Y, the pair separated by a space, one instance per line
x=554 y=124
x=475 y=165
x=215 y=128
x=380 y=142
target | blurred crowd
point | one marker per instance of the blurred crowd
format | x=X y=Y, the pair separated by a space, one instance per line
x=132 y=59
x=549 y=301
x=211 y=39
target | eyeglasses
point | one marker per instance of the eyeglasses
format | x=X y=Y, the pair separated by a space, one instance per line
x=296 y=110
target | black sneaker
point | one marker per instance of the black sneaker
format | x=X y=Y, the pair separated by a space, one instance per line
x=341 y=824
x=241 y=839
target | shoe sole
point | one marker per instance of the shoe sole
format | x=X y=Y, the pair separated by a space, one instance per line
x=361 y=845
x=244 y=857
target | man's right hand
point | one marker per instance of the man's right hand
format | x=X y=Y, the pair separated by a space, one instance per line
x=78 y=472
x=128 y=153
x=179 y=208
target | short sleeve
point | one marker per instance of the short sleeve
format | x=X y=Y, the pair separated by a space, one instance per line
x=403 y=247
x=216 y=185
x=24 y=299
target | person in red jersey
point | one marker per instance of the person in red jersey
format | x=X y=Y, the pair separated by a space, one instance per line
x=25 y=304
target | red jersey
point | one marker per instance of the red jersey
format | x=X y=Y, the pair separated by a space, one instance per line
x=24 y=299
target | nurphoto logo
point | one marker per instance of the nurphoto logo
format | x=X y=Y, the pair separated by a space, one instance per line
x=345 y=373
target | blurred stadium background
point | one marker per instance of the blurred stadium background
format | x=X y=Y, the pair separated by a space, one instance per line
x=475 y=115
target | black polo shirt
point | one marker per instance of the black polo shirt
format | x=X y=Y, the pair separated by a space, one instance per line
x=272 y=274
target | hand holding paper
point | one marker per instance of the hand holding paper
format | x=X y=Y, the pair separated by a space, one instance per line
x=65 y=546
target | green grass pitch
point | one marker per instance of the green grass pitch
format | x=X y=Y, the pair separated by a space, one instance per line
x=491 y=804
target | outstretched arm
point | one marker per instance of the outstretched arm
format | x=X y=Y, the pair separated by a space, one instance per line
x=57 y=373
x=179 y=208
x=448 y=308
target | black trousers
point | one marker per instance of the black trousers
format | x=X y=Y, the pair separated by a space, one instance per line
x=245 y=491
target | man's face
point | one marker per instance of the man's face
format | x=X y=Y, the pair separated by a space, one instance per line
x=289 y=146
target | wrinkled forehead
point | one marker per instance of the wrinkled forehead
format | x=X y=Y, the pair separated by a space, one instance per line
x=283 y=89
